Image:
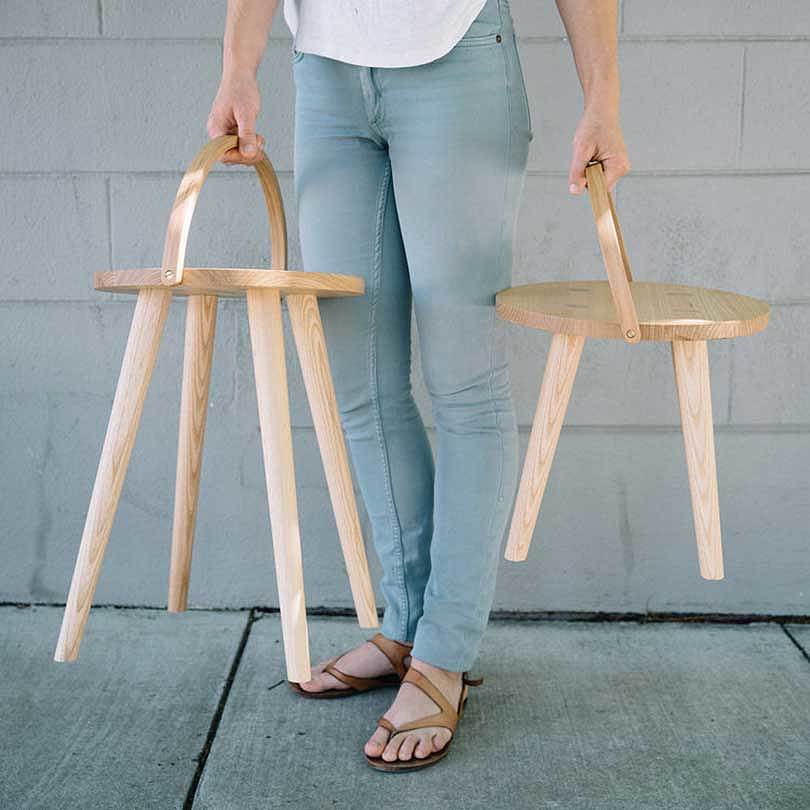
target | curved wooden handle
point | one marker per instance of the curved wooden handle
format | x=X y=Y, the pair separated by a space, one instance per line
x=174 y=251
x=614 y=254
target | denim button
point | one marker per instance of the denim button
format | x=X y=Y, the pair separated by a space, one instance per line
x=497 y=37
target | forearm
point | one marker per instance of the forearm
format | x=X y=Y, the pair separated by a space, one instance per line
x=247 y=26
x=591 y=27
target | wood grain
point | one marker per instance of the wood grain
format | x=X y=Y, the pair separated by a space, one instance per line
x=310 y=343
x=691 y=362
x=665 y=311
x=145 y=332
x=201 y=318
x=270 y=370
x=185 y=201
x=232 y=282
x=555 y=392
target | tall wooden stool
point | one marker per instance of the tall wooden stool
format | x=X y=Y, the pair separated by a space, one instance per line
x=264 y=290
x=620 y=308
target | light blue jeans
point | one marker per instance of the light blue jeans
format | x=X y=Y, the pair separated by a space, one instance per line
x=412 y=177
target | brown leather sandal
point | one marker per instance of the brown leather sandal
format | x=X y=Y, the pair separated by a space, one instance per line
x=447 y=717
x=394 y=651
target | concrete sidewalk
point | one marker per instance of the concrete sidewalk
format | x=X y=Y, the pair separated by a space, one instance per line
x=161 y=709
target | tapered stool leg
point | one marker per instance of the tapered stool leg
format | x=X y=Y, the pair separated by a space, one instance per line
x=558 y=380
x=270 y=369
x=312 y=353
x=691 y=361
x=136 y=372
x=201 y=318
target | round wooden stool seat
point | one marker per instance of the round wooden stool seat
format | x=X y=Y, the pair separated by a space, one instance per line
x=665 y=311
x=229 y=282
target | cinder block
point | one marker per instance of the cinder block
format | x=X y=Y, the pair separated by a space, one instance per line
x=126 y=105
x=720 y=18
x=680 y=103
x=55 y=235
x=533 y=19
x=77 y=348
x=180 y=19
x=777 y=106
x=739 y=232
x=771 y=375
x=40 y=18
x=230 y=226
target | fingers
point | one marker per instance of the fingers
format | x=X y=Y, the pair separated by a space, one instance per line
x=236 y=155
x=615 y=168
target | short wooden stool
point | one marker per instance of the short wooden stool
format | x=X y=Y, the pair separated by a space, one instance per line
x=620 y=308
x=264 y=290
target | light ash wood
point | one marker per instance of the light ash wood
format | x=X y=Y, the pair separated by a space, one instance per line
x=310 y=341
x=555 y=392
x=269 y=368
x=665 y=311
x=623 y=309
x=201 y=318
x=151 y=310
x=174 y=250
x=264 y=289
x=229 y=282
x=691 y=362
x=614 y=254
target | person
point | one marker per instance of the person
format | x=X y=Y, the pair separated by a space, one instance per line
x=412 y=132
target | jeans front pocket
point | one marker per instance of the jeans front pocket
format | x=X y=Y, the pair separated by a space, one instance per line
x=486 y=28
x=521 y=80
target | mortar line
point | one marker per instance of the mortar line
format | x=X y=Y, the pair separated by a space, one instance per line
x=540 y=616
x=202 y=757
x=741 y=127
x=799 y=647
x=543 y=39
x=100 y=15
x=108 y=194
x=236 y=174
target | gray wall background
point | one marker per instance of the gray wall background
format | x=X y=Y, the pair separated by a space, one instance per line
x=104 y=103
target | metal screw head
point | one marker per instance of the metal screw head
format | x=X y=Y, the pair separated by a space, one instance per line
x=169 y=273
x=631 y=333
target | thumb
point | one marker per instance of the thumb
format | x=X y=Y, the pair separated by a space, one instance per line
x=247 y=141
x=576 y=174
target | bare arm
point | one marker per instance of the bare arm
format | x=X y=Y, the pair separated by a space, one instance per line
x=591 y=27
x=237 y=103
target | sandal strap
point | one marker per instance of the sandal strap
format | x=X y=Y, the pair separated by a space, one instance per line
x=446 y=717
x=394 y=651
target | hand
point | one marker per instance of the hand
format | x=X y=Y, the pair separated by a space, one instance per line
x=598 y=137
x=234 y=112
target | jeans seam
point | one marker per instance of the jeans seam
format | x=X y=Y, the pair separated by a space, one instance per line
x=375 y=400
x=499 y=488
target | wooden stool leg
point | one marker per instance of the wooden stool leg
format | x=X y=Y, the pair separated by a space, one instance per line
x=311 y=345
x=558 y=380
x=270 y=369
x=201 y=318
x=136 y=372
x=691 y=361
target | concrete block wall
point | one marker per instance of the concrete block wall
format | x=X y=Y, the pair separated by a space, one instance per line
x=104 y=103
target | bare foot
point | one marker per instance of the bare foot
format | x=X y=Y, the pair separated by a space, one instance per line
x=366 y=660
x=411 y=703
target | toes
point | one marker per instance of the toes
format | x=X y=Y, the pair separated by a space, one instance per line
x=408 y=745
x=376 y=743
x=439 y=739
x=392 y=749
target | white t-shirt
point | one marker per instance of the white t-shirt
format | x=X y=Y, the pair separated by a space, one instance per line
x=379 y=33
